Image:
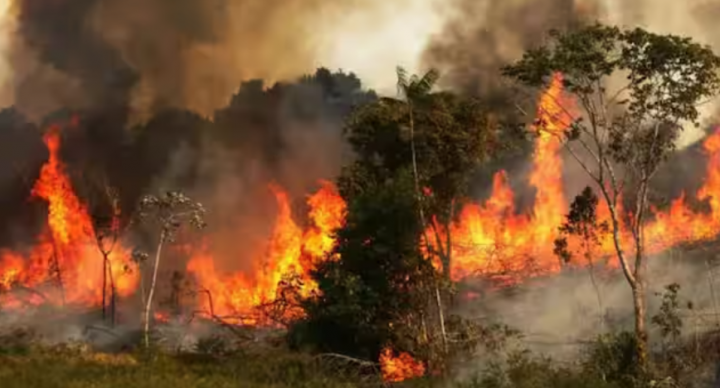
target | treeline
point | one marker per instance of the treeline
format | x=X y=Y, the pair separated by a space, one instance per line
x=104 y=148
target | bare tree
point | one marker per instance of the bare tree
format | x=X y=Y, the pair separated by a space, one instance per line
x=169 y=212
x=636 y=91
x=107 y=239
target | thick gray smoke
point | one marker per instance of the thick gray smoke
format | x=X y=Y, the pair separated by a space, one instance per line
x=485 y=35
x=156 y=54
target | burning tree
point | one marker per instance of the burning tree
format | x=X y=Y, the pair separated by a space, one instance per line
x=169 y=212
x=636 y=91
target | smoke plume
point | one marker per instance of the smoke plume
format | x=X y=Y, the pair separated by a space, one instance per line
x=189 y=54
x=482 y=36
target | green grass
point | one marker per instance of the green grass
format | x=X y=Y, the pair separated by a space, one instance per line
x=48 y=369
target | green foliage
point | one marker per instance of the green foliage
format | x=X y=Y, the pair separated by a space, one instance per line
x=613 y=358
x=415 y=88
x=581 y=222
x=375 y=293
x=661 y=80
x=667 y=319
x=452 y=136
x=524 y=370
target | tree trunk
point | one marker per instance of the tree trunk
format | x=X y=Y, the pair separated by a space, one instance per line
x=638 y=291
x=441 y=315
x=640 y=271
x=153 y=283
x=634 y=277
x=423 y=222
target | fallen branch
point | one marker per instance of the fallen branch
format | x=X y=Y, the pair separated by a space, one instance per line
x=347 y=358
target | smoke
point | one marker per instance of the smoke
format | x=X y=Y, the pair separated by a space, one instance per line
x=484 y=35
x=152 y=55
x=560 y=315
x=288 y=134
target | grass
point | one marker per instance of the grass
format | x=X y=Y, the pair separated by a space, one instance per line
x=72 y=369
x=24 y=365
x=65 y=367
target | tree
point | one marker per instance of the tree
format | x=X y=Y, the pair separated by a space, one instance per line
x=169 y=212
x=440 y=140
x=415 y=90
x=636 y=91
x=440 y=137
x=374 y=290
x=107 y=239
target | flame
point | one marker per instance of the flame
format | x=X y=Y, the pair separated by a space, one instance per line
x=290 y=252
x=492 y=240
x=66 y=253
x=400 y=368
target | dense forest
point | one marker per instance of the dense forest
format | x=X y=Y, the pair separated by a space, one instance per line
x=314 y=233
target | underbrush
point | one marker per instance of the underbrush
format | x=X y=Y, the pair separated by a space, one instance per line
x=607 y=363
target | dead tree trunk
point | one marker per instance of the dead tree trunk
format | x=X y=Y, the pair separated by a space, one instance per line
x=151 y=293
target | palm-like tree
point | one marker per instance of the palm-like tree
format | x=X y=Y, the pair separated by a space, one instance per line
x=413 y=90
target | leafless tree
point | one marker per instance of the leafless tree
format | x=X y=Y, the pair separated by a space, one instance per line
x=168 y=212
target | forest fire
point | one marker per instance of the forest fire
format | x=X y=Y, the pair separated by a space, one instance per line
x=490 y=239
x=493 y=240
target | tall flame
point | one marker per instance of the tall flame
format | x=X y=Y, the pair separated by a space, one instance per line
x=290 y=252
x=66 y=254
x=492 y=239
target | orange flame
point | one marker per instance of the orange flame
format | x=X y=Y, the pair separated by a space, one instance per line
x=491 y=240
x=290 y=252
x=66 y=253
x=400 y=368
